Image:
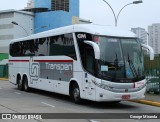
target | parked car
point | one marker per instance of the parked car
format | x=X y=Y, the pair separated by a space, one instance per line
x=153 y=85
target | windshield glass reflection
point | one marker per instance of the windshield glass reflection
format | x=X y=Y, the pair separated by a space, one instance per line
x=119 y=58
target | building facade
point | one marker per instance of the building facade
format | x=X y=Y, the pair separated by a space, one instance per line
x=141 y=34
x=154 y=37
x=30 y=4
x=13 y=24
x=9 y=31
x=38 y=16
x=50 y=14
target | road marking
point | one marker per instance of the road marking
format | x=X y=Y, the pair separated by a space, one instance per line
x=48 y=104
x=17 y=93
x=93 y=121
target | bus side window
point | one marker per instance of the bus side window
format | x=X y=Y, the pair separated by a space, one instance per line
x=15 y=49
x=69 y=47
x=41 y=46
x=28 y=48
x=62 y=45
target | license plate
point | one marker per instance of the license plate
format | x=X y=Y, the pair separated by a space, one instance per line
x=126 y=97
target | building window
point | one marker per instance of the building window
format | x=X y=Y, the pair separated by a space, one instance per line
x=60 y=5
x=6 y=26
x=6 y=15
x=6 y=37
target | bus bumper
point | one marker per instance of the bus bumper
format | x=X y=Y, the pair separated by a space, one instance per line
x=105 y=95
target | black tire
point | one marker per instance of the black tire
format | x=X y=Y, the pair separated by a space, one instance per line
x=26 y=87
x=75 y=94
x=115 y=102
x=20 y=84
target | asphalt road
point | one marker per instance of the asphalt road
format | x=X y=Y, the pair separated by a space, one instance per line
x=17 y=102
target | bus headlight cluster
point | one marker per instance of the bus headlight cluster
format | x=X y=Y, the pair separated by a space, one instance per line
x=102 y=85
x=105 y=87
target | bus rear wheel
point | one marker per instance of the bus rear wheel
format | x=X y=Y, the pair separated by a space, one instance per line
x=75 y=95
x=26 y=87
x=20 y=83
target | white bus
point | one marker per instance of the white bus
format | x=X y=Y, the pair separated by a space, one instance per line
x=92 y=62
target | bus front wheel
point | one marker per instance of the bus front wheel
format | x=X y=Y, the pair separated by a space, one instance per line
x=75 y=95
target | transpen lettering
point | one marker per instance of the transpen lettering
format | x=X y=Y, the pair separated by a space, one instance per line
x=59 y=66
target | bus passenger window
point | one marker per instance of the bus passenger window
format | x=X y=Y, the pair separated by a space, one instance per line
x=62 y=45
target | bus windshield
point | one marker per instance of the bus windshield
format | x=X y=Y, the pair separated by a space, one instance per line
x=120 y=58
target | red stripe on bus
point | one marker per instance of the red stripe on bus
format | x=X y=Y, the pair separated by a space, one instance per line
x=41 y=60
x=18 y=60
x=53 y=60
x=134 y=85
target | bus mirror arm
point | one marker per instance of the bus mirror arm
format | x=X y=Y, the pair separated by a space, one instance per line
x=151 y=51
x=95 y=47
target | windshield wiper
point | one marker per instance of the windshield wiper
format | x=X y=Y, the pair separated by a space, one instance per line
x=132 y=67
x=116 y=61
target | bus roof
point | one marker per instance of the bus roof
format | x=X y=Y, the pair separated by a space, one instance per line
x=86 y=28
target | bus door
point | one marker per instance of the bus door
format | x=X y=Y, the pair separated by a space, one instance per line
x=88 y=75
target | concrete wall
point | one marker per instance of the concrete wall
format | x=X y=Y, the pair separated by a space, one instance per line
x=9 y=32
x=6 y=27
x=42 y=4
x=50 y=20
x=26 y=21
x=53 y=19
x=74 y=7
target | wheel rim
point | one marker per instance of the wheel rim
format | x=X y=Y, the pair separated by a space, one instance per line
x=19 y=83
x=76 y=94
x=25 y=86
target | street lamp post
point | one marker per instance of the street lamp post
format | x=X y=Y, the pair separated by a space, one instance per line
x=134 y=2
x=112 y=12
x=15 y=23
x=116 y=17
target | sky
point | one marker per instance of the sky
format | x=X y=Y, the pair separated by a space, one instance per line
x=97 y=11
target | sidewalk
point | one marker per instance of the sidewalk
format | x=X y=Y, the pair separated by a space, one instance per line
x=153 y=97
x=5 y=79
x=150 y=99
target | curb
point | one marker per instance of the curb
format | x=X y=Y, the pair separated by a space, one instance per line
x=147 y=102
x=5 y=79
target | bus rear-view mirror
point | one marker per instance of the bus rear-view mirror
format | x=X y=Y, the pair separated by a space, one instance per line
x=151 y=51
x=95 y=47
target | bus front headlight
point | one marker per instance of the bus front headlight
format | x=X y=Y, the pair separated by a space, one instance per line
x=102 y=85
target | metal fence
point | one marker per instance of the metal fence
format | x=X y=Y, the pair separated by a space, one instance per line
x=152 y=72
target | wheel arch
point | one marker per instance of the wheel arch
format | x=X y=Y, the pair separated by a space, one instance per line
x=18 y=76
x=72 y=82
x=25 y=76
